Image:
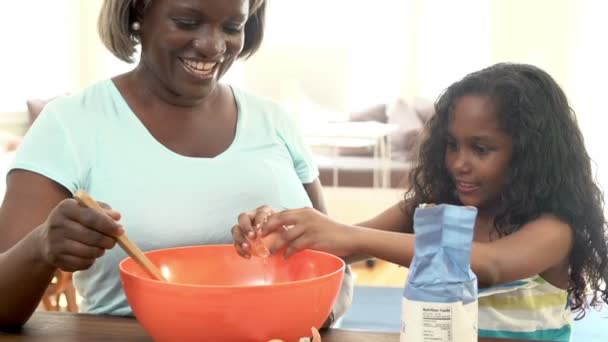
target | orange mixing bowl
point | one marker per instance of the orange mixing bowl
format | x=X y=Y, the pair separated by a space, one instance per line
x=215 y=295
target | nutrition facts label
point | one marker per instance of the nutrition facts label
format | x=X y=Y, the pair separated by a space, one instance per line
x=437 y=324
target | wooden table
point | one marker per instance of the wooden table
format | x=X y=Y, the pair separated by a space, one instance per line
x=53 y=326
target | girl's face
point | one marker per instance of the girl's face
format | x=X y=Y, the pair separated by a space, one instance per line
x=478 y=152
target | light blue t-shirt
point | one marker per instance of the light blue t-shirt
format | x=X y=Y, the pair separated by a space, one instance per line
x=93 y=141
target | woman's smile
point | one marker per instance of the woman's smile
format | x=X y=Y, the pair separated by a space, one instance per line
x=200 y=69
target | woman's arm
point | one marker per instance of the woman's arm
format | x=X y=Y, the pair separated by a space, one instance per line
x=44 y=230
x=315 y=193
x=28 y=200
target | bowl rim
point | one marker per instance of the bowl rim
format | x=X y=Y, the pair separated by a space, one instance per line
x=149 y=280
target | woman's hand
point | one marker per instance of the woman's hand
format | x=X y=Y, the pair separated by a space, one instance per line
x=308 y=228
x=245 y=234
x=73 y=237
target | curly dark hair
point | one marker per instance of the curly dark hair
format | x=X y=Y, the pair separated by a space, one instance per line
x=550 y=171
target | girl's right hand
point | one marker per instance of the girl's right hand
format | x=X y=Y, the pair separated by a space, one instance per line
x=73 y=237
x=245 y=233
x=305 y=228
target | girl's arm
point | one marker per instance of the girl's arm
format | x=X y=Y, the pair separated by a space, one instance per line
x=536 y=247
x=345 y=296
x=392 y=219
x=399 y=248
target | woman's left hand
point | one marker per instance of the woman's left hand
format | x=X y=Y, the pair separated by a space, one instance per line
x=245 y=232
x=308 y=228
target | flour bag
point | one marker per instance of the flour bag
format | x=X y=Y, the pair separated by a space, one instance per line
x=440 y=295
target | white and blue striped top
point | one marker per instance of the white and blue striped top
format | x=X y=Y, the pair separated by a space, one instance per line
x=529 y=309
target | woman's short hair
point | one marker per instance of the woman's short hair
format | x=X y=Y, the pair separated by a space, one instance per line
x=117 y=16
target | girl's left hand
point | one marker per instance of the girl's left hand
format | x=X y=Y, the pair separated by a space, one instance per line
x=308 y=228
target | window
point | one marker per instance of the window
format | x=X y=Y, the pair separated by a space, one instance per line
x=39 y=57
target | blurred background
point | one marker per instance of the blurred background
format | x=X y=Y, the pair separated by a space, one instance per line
x=335 y=62
x=326 y=60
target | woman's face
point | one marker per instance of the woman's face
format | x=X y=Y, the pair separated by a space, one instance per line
x=478 y=152
x=187 y=45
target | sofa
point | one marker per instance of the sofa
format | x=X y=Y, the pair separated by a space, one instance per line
x=355 y=165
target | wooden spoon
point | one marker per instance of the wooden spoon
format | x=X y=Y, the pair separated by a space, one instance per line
x=85 y=200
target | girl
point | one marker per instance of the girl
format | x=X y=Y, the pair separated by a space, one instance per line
x=504 y=140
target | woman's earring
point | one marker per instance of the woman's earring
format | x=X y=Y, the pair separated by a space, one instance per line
x=135 y=26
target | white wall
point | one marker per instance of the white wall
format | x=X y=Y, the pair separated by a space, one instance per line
x=349 y=54
x=588 y=74
x=37 y=55
x=50 y=47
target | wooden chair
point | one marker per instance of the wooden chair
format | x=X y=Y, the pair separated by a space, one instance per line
x=60 y=286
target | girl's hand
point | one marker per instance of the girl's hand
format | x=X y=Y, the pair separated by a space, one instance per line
x=246 y=233
x=308 y=228
x=73 y=237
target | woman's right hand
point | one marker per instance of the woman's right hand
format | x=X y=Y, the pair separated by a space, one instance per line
x=73 y=236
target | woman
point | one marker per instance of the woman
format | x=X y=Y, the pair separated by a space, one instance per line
x=176 y=152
